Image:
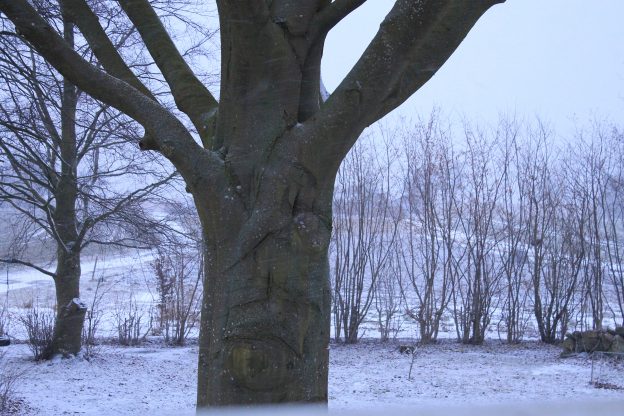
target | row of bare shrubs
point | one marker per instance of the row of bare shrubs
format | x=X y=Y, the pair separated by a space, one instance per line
x=507 y=229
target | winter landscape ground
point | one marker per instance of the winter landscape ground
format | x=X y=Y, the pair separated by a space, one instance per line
x=153 y=379
x=158 y=379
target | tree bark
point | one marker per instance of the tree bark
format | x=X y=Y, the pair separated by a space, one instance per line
x=70 y=311
x=265 y=317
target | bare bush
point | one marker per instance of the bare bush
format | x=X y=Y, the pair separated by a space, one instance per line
x=555 y=238
x=178 y=277
x=364 y=232
x=590 y=181
x=179 y=274
x=476 y=290
x=8 y=379
x=39 y=325
x=388 y=302
x=511 y=250
x=427 y=235
x=92 y=322
x=130 y=322
x=612 y=224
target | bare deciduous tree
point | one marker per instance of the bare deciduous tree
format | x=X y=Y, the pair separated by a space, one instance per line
x=179 y=273
x=590 y=170
x=263 y=177
x=512 y=247
x=555 y=236
x=425 y=236
x=388 y=302
x=64 y=154
x=613 y=221
x=363 y=236
x=478 y=284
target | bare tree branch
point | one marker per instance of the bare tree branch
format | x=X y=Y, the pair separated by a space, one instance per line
x=29 y=264
x=106 y=53
x=119 y=205
x=173 y=140
x=191 y=95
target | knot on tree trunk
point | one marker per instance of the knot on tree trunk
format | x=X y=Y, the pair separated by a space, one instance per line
x=75 y=306
x=68 y=328
x=261 y=364
x=312 y=232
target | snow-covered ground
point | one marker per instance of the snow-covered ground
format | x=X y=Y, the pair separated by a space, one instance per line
x=129 y=268
x=153 y=379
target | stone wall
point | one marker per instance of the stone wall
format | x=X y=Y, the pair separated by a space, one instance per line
x=609 y=340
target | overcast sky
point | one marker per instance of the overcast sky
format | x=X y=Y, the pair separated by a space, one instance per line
x=559 y=59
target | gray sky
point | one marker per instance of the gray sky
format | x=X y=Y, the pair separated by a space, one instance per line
x=560 y=59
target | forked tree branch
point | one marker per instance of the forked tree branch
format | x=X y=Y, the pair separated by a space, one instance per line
x=330 y=14
x=333 y=14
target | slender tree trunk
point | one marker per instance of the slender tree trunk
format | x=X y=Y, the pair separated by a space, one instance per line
x=70 y=311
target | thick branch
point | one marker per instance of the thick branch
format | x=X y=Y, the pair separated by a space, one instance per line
x=88 y=23
x=331 y=15
x=317 y=26
x=310 y=97
x=413 y=42
x=448 y=27
x=190 y=94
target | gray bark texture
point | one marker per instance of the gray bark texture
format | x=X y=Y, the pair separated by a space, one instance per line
x=262 y=180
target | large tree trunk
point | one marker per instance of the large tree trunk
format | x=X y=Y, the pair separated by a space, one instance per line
x=267 y=224
x=265 y=317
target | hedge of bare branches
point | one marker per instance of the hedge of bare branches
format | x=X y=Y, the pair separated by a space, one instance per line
x=505 y=230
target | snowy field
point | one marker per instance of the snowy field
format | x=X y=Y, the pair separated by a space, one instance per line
x=371 y=375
